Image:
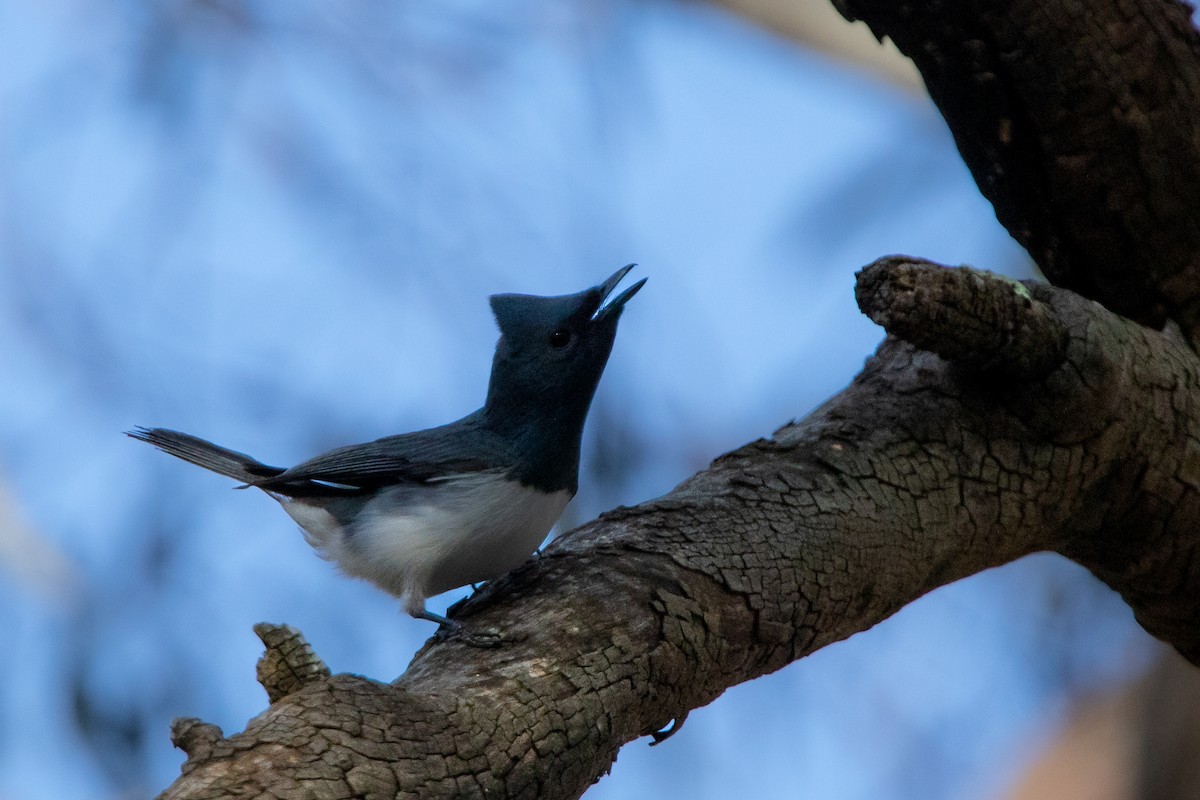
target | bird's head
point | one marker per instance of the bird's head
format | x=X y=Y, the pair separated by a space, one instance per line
x=552 y=350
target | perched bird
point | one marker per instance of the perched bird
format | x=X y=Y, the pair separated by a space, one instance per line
x=424 y=512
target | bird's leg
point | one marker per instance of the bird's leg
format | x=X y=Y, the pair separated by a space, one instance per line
x=443 y=622
x=452 y=628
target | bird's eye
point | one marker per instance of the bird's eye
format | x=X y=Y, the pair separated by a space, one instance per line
x=560 y=338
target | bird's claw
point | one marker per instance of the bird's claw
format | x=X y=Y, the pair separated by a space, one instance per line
x=485 y=639
x=453 y=629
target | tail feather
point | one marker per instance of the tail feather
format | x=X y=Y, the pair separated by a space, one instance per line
x=195 y=450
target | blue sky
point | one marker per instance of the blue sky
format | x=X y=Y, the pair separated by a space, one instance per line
x=276 y=226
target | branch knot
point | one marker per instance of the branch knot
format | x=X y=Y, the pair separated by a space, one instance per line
x=288 y=662
x=195 y=737
x=980 y=320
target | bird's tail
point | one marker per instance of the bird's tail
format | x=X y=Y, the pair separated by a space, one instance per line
x=192 y=449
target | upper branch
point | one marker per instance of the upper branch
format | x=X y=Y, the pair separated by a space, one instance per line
x=1081 y=124
x=923 y=471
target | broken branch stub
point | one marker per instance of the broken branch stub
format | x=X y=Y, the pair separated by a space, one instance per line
x=976 y=319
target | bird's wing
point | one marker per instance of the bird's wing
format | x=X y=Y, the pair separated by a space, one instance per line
x=418 y=457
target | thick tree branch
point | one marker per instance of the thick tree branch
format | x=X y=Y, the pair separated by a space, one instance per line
x=1081 y=124
x=996 y=422
x=921 y=472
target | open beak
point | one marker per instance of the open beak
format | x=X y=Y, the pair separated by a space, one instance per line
x=613 y=307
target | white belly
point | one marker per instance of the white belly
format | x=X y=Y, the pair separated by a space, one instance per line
x=415 y=542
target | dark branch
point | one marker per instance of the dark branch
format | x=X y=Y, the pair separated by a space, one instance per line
x=1081 y=124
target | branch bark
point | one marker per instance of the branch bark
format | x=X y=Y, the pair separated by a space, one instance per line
x=996 y=420
x=922 y=472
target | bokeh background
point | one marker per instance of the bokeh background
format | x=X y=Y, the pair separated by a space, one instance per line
x=275 y=225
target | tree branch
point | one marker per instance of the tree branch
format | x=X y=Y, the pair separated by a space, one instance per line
x=1081 y=124
x=996 y=422
x=963 y=316
x=921 y=472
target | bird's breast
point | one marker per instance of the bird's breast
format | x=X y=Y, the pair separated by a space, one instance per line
x=444 y=534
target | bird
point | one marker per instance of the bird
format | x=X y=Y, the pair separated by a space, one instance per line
x=421 y=513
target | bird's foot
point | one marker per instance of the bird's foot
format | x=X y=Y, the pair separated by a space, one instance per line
x=485 y=638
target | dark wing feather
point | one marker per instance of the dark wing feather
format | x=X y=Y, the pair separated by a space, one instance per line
x=417 y=457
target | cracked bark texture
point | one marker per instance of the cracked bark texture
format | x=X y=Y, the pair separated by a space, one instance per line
x=996 y=420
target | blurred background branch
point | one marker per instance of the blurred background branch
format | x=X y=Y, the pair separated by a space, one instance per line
x=817 y=25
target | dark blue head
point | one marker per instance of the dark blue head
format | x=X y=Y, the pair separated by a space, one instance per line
x=550 y=356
